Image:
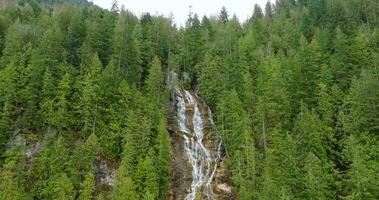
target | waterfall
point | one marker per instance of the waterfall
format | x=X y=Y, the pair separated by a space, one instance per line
x=203 y=161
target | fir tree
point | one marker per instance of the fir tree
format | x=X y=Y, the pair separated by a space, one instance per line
x=163 y=159
x=87 y=188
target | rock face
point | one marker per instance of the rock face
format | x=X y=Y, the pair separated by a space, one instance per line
x=196 y=149
x=105 y=172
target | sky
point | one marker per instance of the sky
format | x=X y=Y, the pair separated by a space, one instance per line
x=180 y=8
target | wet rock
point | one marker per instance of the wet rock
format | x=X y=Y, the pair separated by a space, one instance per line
x=33 y=149
x=105 y=172
x=224 y=188
x=182 y=127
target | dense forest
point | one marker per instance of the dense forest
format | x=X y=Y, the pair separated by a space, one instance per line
x=294 y=91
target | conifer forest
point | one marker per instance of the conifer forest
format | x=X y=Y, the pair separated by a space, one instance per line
x=100 y=104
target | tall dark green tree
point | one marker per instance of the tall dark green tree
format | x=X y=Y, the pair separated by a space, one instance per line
x=163 y=159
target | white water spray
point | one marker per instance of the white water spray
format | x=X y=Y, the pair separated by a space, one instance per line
x=203 y=162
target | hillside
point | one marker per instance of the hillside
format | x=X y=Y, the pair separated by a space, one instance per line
x=104 y=104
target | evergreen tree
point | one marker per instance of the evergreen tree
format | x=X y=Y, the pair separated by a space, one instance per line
x=62 y=188
x=298 y=119
x=89 y=99
x=236 y=135
x=311 y=134
x=62 y=116
x=316 y=185
x=224 y=17
x=124 y=189
x=268 y=10
x=126 y=54
x=136 y=142
x=362 y=180
x=88 y=186
x=99 y=36
x=48 y=95
x=341 y=60
x=154 y=80
x=9 y=188
x=6 y=126
x=163 y=159
x=212 y=80
x=146 y=179
x=362 y=104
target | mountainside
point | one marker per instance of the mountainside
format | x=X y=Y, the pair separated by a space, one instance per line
x=104 y=104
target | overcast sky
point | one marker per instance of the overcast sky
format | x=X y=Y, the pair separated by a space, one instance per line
x=180 y=8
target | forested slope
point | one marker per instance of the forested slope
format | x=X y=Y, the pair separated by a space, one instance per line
x=294 y=90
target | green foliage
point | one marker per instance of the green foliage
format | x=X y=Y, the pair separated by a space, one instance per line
x=88 y=186
x=154 y=80
x=9 y=188
x=124 y=189
x=212 y=79
x=294 y=90
x=363 y=104
x=163 y=159
x=61 y=188
x=316 y=185
x=88 y=101
x=62 y=116
x=363 y=156
x=146 y=179
x=126 y=54
x=237 y=137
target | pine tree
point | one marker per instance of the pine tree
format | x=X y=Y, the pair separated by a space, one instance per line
x=114 y=6
x=89 y=99
x=269 y=185
x=272 y=105
x=192 y=44
x=85 y=154
x=126 y=56
x=146 y=179
x=136 y=142
x=163 y=159
x=362 y=179
x=363 y=104
x=124 y=188
x=224 y=17
x=212 y=80
x=99 y=36
x=361 y=51
x=6 y=126
x=48 y=95
x=311 y=59
x=257 y=13
x=311 y=134
x=9 y=188
x=236 y=135
x=341 y=60
x=144 y=33
x=50 y=167
x=325 y=105
x=87 y=188
x=154 y=80
x=283 y=160
x=268 y=10
x=316 y=185
x=61 y=188
x=62 y=115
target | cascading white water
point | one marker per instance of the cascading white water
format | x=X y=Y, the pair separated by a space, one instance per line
x=203 y=162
